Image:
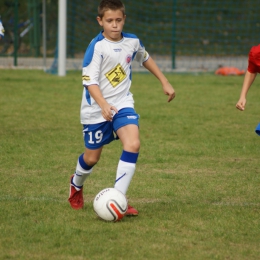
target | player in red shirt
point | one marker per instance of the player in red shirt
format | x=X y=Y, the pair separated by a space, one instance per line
x=252 y=70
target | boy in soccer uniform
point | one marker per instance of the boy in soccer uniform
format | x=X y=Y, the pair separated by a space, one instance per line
x=251 y=73
x=107 y=107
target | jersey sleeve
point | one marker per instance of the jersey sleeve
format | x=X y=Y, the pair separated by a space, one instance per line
x=92 y=62
x=142 y=55
x=254 y=60
x=252 y=68
x=90 y=71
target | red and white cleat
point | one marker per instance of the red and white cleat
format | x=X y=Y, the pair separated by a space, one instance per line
x=76 y=196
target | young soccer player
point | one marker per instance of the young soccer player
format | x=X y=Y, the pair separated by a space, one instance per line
x=107 y=105
x=251 y=73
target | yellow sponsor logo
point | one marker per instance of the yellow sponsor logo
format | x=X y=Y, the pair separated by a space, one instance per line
x=116 y=75
x=84 y=77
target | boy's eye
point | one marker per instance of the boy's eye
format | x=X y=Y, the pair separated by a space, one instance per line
x=117 y=20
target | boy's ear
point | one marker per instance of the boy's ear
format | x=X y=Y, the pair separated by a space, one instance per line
x=99 y=21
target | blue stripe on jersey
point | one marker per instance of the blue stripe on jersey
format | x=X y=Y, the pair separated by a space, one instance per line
x=88 y=97
x=133 y=57
x=90 y=50
x=130 y=76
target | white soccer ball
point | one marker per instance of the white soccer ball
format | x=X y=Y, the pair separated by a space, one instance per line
x=110 y=204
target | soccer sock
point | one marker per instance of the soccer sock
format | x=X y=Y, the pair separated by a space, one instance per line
x=125 y=170
x=81 y=173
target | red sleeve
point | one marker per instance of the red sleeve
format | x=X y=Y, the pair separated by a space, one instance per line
x=252 y=67
x=253 y=60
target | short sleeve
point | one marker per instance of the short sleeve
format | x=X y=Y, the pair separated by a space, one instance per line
x=252 y=68
x=142 y=56
x=91 y=70
x=254 y=59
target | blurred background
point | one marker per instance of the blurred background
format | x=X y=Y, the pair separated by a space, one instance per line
x=181 y=35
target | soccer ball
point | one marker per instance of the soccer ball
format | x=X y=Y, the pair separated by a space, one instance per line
x=110 y=204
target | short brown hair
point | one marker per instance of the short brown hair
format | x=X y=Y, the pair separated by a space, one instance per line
x=110 y=5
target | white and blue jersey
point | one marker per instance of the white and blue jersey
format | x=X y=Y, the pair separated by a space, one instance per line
x=108 y=65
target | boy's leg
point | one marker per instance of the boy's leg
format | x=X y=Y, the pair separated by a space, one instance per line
x=84 y=167
x=85 y=163
x=129 y=136
x=95 y=137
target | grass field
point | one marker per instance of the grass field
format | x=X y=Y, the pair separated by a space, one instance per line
x=196 y=185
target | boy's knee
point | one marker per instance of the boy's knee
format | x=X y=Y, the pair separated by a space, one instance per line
x=91 y=160
x=133 y=146
x=136 y=145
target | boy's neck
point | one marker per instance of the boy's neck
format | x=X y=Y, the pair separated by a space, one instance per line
x=113 y=40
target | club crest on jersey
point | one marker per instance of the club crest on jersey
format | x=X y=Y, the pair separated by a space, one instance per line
x=116 y=75
x=85 y=77
x=128 y=58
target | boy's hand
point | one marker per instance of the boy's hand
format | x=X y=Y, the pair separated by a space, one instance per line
x=108 y=111
x=241 y=104
x=168 y=90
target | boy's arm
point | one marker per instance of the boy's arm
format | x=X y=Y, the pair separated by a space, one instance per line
x=248 y=81
x=154 y=69
x=106 y=109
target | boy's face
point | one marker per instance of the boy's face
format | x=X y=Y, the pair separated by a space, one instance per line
x=112 y=23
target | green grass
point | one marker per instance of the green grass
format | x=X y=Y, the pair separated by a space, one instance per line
x=196 y=185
